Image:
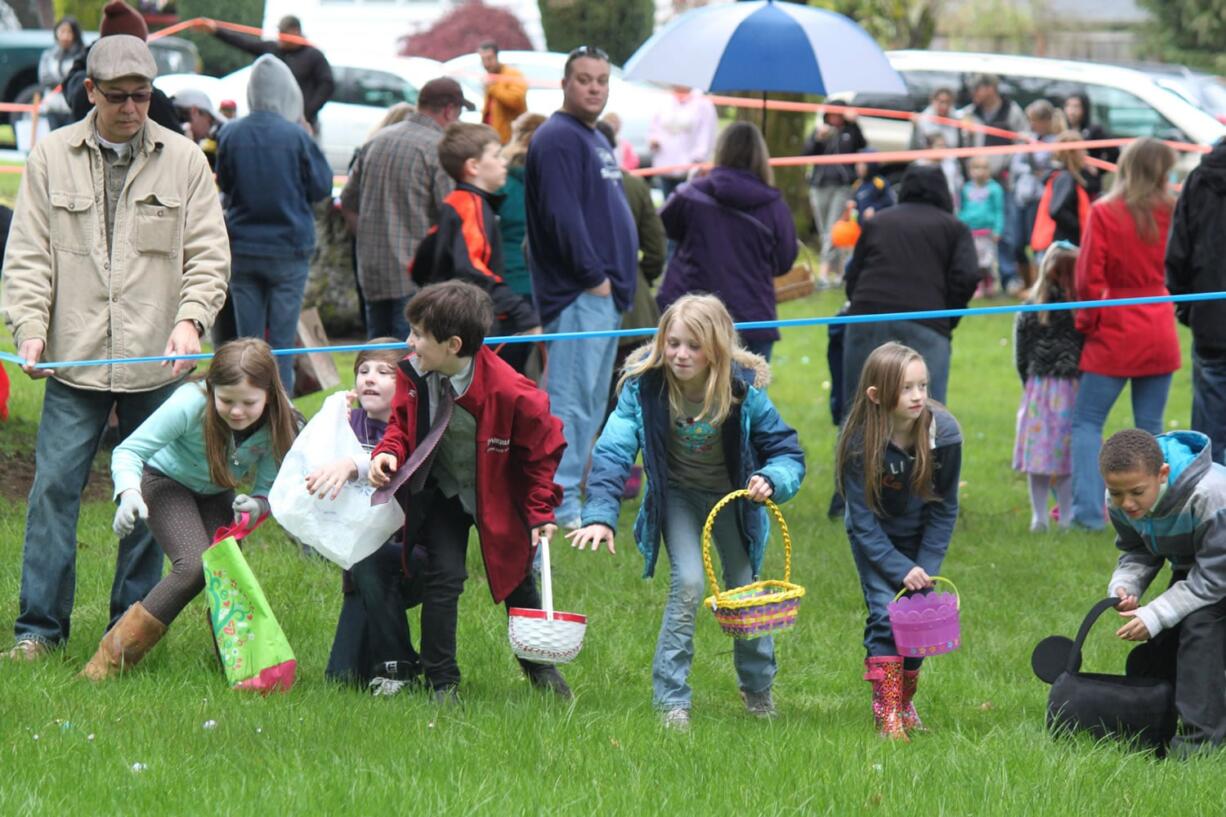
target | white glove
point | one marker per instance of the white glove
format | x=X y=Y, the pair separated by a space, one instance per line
x=252 y=505
x=131 y=507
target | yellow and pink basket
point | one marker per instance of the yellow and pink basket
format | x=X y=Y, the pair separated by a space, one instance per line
x=761 y=608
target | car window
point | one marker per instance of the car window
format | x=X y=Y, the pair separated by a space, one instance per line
x=1124 y=114
x=922 y=84
x=376 y=89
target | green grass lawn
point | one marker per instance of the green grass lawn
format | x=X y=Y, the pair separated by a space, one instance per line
x=69 y=748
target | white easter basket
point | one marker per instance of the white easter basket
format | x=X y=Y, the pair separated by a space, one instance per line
x=545 y=636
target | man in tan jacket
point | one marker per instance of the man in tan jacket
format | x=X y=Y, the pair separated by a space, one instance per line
x=118 y=250
x=506 y=92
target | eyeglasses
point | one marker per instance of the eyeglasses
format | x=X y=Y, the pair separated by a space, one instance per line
x=587 y=51
x=119 y=97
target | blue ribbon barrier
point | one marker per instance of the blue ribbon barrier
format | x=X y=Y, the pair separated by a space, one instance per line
x=884 y=317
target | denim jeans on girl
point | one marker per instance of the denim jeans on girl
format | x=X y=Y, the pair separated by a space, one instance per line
x=684 y=515
x=267 y=296
x=1095 y=397
x=878 y=593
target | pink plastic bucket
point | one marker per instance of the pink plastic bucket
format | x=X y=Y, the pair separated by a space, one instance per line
x=926 y=624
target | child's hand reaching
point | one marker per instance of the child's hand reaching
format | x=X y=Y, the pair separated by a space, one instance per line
x=382 y=467
x=330 y=478
x=1127 y=602
x=254 y=506
x=760 y=488
x=917 y=579
x=592 y=534
x=1134 y=630
x=131 y=507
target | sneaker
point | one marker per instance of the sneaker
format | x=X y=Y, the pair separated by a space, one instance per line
x=447 y=696
x=759 y=704
x=546 y=677
x=28 y=650
x=385 y=687
x=677 y=720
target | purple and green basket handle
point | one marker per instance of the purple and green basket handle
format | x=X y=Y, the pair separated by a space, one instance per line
x=957 y=595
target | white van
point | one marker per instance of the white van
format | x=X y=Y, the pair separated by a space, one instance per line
x=1125 y=102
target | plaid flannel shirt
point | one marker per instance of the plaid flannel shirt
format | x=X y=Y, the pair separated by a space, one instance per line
x=396 y=187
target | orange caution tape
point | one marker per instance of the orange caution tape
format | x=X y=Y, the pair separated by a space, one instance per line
x=205 y=22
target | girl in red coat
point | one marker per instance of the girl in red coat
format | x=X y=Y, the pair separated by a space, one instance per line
x=1122 y=250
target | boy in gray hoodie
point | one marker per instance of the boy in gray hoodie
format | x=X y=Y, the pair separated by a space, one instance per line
x=1167 y=502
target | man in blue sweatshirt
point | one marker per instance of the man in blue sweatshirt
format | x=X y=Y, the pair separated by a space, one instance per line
x=583 y=256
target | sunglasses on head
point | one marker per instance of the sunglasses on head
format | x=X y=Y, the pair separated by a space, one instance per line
x=120 y=97
x=587 y=51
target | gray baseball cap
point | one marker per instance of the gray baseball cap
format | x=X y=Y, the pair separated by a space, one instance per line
x=120 y=55
x=191 y=98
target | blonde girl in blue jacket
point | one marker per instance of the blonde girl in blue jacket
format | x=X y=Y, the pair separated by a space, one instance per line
x=694 y=402
x=179 y=471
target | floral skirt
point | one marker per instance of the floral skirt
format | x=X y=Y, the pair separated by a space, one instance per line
x=1045 y=426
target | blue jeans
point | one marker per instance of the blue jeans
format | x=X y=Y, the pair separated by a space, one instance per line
x=267 y=295
x=878 y=593
x=1006 y=249
x=684 y=515
x=68 y=435
x=1209 y=402
x=1095 y=397
x=385 y=318
x=578 y=384
x=759 y=347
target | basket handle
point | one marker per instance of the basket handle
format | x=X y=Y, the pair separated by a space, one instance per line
x=709 y=525
x=546 y=578
x=957 y=595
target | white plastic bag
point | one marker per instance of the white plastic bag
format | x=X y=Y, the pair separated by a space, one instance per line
x=344 y=530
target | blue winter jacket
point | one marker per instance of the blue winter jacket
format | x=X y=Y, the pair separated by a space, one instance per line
x=756 y=441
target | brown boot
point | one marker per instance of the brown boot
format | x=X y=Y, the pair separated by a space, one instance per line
x=125 y=644
x=885 y=674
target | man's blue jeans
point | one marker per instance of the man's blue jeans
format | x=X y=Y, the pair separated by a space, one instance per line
x=684 y=515
x=578 y=379
x=267 y=296
x=1209 y=402
x=385 y=319
x=71 y=427
x=1006 y=249
x=1095 y=397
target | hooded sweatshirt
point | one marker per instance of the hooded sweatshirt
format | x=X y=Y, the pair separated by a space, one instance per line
x=734 y=234
x=1196 y=250
x=914 y=256
x=1187 y=527
x=270 y=170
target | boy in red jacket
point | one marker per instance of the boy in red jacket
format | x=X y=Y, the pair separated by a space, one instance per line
x=466 y=242
x=470 y=442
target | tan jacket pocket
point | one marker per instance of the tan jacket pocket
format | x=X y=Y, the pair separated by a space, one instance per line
x=156 y=228
x=72 y=222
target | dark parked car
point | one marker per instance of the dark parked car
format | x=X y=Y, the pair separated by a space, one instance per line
x=20 y=50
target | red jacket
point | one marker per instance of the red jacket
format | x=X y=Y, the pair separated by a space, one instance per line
x=1124 y=341
x=519 y=444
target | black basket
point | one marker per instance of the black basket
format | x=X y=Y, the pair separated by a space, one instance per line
x=1132 y=707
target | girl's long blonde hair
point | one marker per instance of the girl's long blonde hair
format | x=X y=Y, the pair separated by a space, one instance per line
x=868 y=427
x=1140 y=183
x=1074 y=161
x=246 y=360
x=707 y=319
x=1057 y=274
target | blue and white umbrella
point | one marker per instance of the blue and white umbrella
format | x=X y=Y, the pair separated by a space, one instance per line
x=765 y=46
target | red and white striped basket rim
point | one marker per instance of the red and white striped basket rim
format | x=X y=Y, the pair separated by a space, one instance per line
x=528 y=612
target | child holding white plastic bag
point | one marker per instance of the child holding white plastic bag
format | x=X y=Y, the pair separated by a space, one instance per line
x=376 y=650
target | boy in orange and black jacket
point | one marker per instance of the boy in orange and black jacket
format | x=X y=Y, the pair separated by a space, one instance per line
x=465 y=243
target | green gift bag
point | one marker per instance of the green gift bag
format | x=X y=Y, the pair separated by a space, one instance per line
x=253 y=649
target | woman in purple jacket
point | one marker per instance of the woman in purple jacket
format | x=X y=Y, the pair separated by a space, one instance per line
x=734 y=235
